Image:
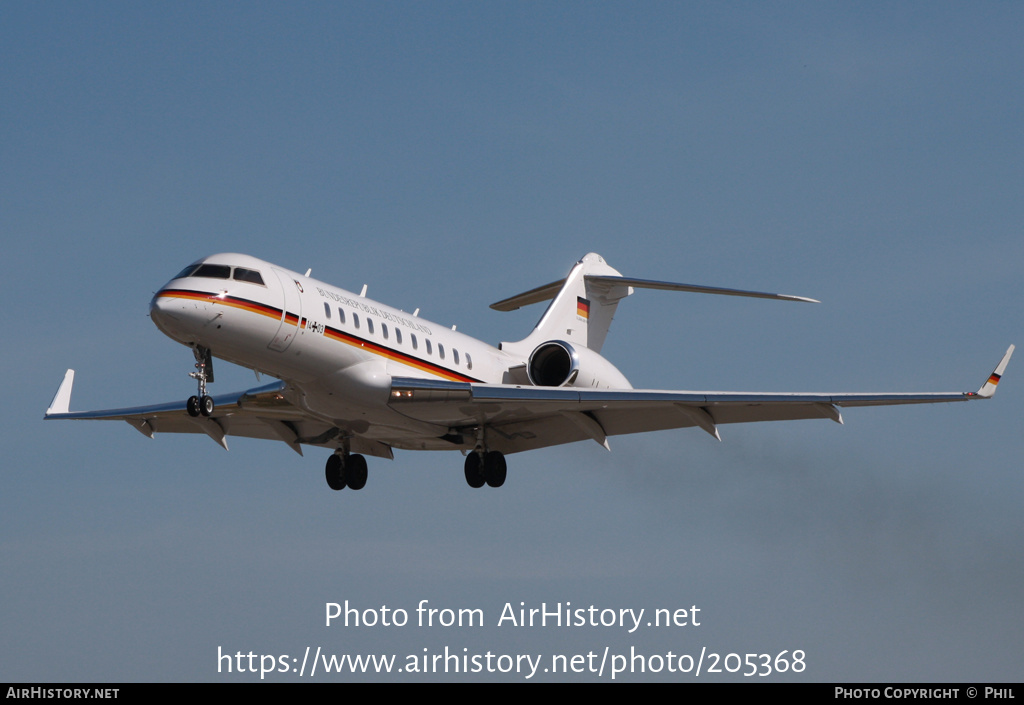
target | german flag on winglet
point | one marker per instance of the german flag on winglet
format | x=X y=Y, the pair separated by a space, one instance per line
x=582 y=307
x=989 y=388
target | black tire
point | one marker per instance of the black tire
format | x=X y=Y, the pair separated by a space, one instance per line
x=474 y=476
x=192 y=406
x=206 y=406
x=334 y=474
x=356 y=472
x=495 y=469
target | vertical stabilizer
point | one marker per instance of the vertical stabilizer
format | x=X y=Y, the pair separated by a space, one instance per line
x=582 y=310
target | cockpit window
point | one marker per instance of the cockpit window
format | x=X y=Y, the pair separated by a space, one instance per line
x=248 y=275
x=187 y=271
x=213 y=271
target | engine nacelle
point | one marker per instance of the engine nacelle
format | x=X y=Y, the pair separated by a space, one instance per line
x=556 y=363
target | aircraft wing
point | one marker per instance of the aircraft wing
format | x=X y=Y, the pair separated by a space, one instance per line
x=516 y=418
x=261 y=412
x=521 y=418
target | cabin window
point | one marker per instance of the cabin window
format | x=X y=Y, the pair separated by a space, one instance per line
x=249 y=275
x=213 y=271
x=455 y=355
x=440 y=351
x=369 y=324
x=341 y=315
x=398 y=335
x=415 y=343
x=355 y=320
x=469 y=362
x=327 y=310
x=384 y=330
x=429 y=351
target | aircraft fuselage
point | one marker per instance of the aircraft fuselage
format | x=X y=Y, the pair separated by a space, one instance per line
x=337 y=350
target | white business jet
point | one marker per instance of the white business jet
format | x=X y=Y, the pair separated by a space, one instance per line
x=358 y=377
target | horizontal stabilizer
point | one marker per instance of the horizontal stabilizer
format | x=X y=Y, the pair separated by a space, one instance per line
x=695 y=288
x=549 y=291
x=533 y=296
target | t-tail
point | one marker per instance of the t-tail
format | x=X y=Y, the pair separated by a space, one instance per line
x=582 y=307
x=584 y=302
x=578 y=318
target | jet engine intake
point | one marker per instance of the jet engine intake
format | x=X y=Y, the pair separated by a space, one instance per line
x=557 y=363
x=553 y=364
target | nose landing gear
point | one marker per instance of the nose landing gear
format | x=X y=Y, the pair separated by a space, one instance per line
x=201 y=404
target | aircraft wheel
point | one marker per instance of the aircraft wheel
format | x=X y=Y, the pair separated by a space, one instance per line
x=206 y=406
x=495 y=468
x=474 y=474
x=335 y=476
x=192 y=406
x=356 y=472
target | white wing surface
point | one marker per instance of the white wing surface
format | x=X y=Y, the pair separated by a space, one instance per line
x=261 y=412
x=519 y=418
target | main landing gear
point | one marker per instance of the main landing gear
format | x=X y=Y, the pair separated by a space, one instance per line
x=349 y=470
x=201 y=404
x=485 y=467
x=346 y=470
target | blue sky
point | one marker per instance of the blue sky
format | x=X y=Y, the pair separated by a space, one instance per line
x=449 y=155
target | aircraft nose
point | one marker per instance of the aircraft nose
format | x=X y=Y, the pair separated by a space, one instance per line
x=166 y=314
x=160 y=310
x=185 y=316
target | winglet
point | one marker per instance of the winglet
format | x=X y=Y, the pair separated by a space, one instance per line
x=62 y=399
x=989 y=388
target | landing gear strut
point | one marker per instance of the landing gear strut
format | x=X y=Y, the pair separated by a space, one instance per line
x=201 y=404
x=346 y=470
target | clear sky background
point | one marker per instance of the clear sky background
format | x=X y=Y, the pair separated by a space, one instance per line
x=452 y=154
